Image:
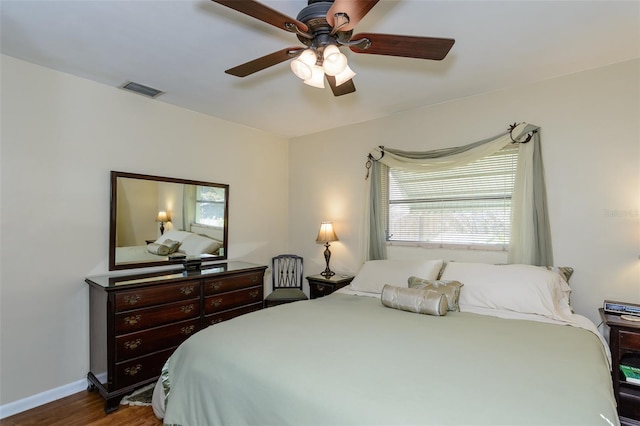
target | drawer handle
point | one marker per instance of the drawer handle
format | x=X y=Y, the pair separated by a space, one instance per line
x=254 y=280
x=216 y=285
x=132 y=344
x=187 y=330
x=132 y=300
x=216 y=321
x=132 y=320
x=320 y=287
x=216 y=302
x=186 y=290
x=132 y=371
x=254 y=293
x=187 y=308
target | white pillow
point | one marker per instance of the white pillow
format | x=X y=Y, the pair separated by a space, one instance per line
x=173 y=235
x=375 y=274
x=520 y=288
x=197 y=244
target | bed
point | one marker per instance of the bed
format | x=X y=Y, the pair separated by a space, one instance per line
x=508 y=350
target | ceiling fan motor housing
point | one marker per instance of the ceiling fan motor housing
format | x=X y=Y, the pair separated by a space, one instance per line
x=315 y=17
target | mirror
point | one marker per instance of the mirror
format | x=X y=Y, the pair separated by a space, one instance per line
x=157 y=221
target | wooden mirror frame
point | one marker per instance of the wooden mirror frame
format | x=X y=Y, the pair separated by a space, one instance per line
x=115 y=176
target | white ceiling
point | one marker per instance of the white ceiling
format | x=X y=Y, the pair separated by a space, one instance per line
x=183 y=47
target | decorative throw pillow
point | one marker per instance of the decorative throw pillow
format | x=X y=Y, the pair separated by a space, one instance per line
x=421 y=301
x=451 y=289
x=172 y=245
x=159 y=249
x=564 y=271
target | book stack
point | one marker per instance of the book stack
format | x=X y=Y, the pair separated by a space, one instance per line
x=631 y=374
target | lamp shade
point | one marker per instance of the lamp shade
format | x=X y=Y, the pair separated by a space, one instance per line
x=326 y=233
x=162 y=217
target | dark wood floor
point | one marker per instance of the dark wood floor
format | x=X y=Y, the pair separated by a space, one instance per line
x=82 y=409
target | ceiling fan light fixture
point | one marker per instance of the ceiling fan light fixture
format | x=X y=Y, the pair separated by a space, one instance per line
x=317 y=77
x=301 y=70
x=302 y=66
x=346 y=75
x=334 y=61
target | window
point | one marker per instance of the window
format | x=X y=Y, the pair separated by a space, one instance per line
x=468 y=205
x=210 y=206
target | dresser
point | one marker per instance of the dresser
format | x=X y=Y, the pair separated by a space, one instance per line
x=137 y=321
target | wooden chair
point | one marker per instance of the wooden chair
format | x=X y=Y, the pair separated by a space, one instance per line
x=286 y=280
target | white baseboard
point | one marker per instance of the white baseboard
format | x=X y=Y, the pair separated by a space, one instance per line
x=42 y=398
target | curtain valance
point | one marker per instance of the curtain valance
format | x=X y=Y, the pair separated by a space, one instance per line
x=530 y=233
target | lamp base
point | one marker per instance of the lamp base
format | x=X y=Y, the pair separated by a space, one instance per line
x=328 y=273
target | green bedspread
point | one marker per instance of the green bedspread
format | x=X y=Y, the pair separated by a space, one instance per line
x=348 y=360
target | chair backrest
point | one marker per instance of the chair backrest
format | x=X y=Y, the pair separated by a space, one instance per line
x=286 y=271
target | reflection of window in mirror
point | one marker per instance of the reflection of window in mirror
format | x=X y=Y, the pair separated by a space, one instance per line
x=210 y=206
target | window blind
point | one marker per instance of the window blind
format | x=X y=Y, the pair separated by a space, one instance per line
x=468 y=205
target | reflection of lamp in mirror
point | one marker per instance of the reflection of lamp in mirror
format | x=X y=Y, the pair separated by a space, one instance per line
x=326 y=235
x=162 y=218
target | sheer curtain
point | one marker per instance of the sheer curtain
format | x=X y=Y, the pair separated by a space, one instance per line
x=530 y=234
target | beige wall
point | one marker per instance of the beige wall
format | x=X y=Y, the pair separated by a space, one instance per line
x=591 y=151
x=61 y=136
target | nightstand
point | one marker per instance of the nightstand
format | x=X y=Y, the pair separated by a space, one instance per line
x=320 y=286
x=624 y=342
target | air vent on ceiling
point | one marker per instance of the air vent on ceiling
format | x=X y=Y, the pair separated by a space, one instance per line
x=141 y=89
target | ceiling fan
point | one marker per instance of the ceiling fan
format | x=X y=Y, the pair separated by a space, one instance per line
x=324 y=26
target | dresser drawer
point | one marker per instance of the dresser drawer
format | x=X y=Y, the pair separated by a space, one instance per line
x=237 y=282
x=629 y=340
x=224 y=301
x=144 y=342
x=134 y=371
x=232 y=313
x=150 y=296
x=140 y=319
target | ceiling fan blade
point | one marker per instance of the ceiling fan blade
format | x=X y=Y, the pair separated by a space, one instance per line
x=264 y=62
x=344 y=89
x=263 y=13
x=404 y=46
x=355 y=9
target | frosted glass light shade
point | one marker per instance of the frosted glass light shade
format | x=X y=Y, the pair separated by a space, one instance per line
x=345 y=76
x=302 y=65
x=300 y=69
x=317 y=77
x=334 y=61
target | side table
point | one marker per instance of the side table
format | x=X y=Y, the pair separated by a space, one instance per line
x=320 y=286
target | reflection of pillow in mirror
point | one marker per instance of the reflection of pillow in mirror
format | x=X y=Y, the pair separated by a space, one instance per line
x=173 y=245
x=173 y=235
x=159 y=249
x=376 y=273
x=451 y=289
x=197 y=244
